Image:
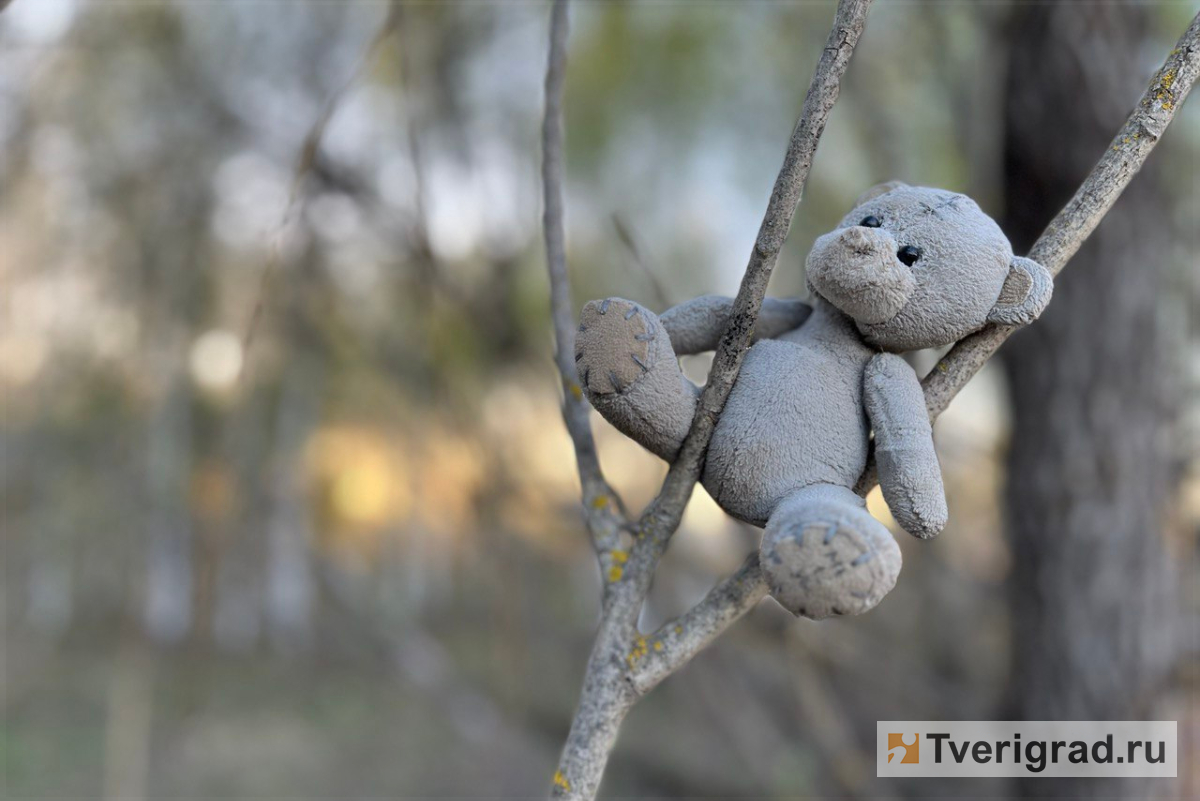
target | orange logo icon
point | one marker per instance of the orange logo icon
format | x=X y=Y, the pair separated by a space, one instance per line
x=905 y=746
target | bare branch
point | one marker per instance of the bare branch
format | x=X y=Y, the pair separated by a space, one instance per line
x=664 y=513
x=609 y=684
x=625 y=234
x=678 y=640
x=1058 y=243
x=601 y=508
x=624 y=665
x=1074 y=224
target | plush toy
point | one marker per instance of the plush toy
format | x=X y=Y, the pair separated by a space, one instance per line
x=909 y=268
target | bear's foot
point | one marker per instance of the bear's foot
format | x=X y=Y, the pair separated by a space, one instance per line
x=824 y=554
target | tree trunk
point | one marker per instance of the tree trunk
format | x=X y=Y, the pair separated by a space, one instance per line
x=168 y=604
x=291 y=591
x=1091 y=475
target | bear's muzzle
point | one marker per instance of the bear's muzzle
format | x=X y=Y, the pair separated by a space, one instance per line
x=856 y=269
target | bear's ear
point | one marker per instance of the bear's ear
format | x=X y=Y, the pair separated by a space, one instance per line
x=1025 y=293
x=877 y=190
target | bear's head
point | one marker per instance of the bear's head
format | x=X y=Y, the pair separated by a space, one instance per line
x=916 y=267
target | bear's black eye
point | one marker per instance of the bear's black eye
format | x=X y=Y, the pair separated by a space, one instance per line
x=908 y=255
x=870 y=222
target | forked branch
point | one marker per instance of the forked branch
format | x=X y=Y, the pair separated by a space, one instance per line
x=624 y=664
x=610 y=687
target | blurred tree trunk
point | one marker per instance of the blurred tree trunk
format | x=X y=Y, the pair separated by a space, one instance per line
x=292 y=595
x=1090 y=473
x=291 y=583
x=238 y=612
x=169 y=574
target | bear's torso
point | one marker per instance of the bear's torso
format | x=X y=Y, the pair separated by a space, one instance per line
x=795 y=417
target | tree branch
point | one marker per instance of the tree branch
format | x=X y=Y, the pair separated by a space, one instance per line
x=610 y=688
x=624 y=665
x=678 y=640
x=602 y=510
x=664 y=513
x=1074 y=224
x=1060 y=241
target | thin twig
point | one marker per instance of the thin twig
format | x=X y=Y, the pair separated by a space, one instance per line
x=306 y=158
x=625 y=234
x=602 y=510
x=1074 y=224
x=609 y=687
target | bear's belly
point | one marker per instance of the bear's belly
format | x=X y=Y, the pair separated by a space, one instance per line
x=794 y=418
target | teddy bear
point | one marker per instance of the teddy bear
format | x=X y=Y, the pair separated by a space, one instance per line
x=909 y=268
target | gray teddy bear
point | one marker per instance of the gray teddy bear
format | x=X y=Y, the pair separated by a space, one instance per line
x=909 y=268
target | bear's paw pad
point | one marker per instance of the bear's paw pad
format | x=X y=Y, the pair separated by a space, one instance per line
x=612 y=350
x=831 y=567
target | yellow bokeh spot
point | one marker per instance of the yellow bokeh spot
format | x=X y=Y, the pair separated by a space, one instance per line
x=360 y=494
x=614 y=573
x=560 y=781
x=361 y=477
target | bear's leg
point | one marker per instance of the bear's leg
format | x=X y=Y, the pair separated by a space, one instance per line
x=631 y=375
x=824 y=554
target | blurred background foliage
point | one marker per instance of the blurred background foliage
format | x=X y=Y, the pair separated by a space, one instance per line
x=288 y=506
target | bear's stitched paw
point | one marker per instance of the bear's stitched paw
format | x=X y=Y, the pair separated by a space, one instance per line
x=613 y=349
x=830 y=565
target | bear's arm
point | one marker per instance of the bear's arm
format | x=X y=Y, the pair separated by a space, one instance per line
x=909 y=473
x=696 y=326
